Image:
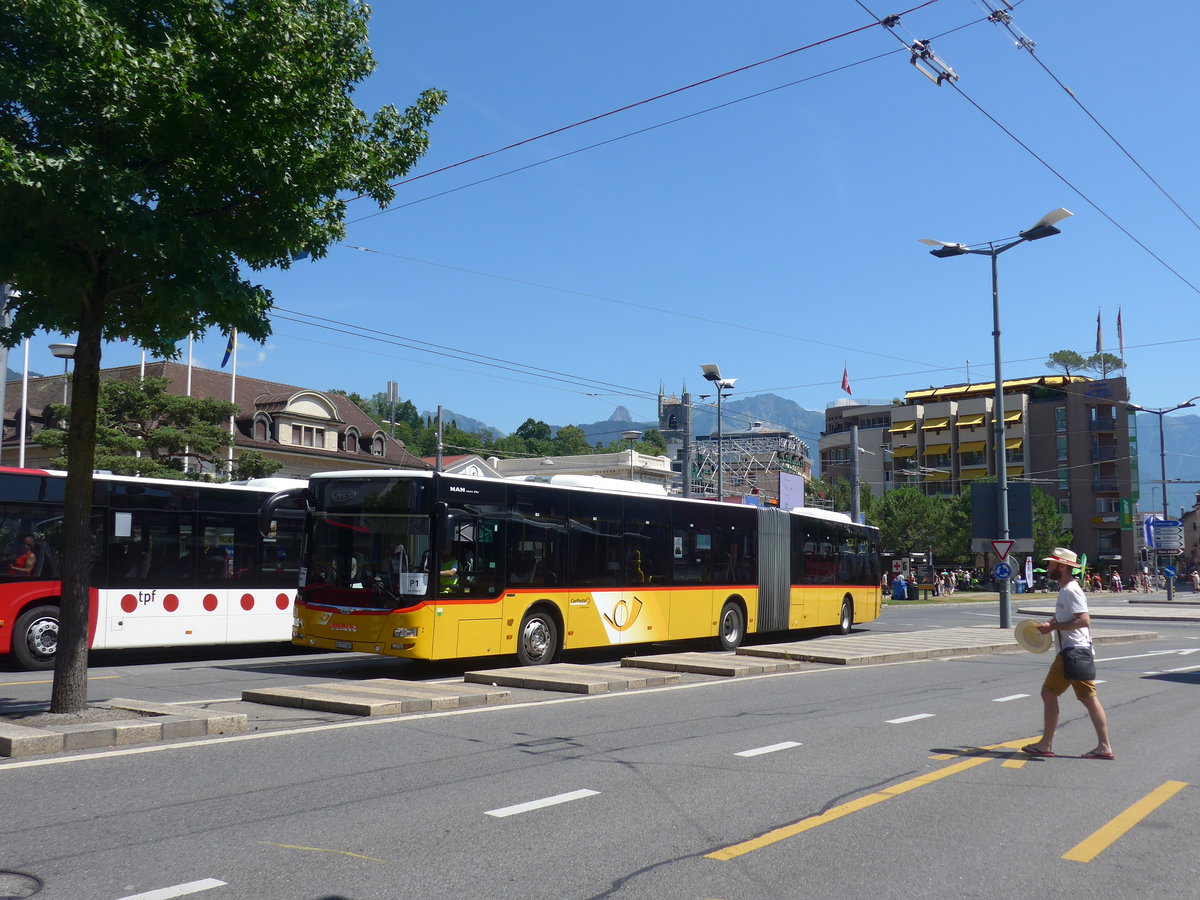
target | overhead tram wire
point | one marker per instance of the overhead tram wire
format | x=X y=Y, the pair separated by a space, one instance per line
x=647 y=100
x=456 y=353
x=1001 y=18
x=953 y=82
x=630 y=134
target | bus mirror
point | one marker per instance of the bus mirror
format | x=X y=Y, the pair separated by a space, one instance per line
x=445 y=524
x=290 y=498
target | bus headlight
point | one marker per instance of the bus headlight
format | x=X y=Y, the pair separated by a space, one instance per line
x=296 y=623
x=404 y=632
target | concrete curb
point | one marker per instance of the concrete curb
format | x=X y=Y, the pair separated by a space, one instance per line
x=150 y=722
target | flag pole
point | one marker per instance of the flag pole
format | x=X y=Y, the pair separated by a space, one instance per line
x=232 y=396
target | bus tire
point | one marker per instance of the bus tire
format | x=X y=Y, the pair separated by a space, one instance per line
x=35 y=638
x=845 y=617
x=537 y=640
x=731 y=627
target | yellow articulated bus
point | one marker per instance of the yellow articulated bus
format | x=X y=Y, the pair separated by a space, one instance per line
x=424 y=565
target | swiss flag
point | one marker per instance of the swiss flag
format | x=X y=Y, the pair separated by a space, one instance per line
x=846 y=381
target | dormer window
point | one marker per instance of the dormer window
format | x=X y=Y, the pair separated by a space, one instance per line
x=377 y=445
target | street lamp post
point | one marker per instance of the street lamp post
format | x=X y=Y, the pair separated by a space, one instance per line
x=65 y=352
x=1162 y=461
x=1043 y=228
x=713 y=373
x=631 y=436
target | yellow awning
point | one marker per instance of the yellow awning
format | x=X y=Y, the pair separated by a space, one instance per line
x=934 y=424
x=1013 y=443
x=1016 y=470
x=1013 y=415
x=938 y=476
x=968 y=421
x=904 y=452
x=969 y=474
x=971 y=447
x=936 y=449
x=901 y=427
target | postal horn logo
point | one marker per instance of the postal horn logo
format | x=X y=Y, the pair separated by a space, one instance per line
x=623 y=615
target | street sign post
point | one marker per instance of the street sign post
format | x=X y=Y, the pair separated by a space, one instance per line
x=1002 y=571
x=1002 y=549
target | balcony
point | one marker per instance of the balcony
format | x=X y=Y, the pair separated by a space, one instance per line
x=1104 y=423
x=1104 y=454
x=1105 y=486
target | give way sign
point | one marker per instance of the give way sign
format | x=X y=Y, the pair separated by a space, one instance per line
x=1002 y=548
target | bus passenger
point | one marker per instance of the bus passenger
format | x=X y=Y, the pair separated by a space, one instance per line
x=447 y=572
x=23 y=564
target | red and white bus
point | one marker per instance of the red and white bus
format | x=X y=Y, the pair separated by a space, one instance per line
x=175 y=563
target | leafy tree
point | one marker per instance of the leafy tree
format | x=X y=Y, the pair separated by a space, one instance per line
x=1066 y=361
x=910 y=520
x=252 y=464
x=142 y=429
x=1048 y=530
x=571 y=440
x=148 y=150
x=1103 y=363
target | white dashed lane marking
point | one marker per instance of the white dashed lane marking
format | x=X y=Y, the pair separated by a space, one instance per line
x=910 y=718
x=178 y=890
x=540 y=804
x=759 y=751
x=1009 y=697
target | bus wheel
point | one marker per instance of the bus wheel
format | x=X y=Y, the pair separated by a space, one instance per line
x=537 y=641
x=731 y=627
x=845 y=617
x=35 y=637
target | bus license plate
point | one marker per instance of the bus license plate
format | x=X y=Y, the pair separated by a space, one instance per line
x=343 y=645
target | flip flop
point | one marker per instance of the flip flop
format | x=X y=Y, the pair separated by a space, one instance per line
x=1035 y=751
x=1092 y=754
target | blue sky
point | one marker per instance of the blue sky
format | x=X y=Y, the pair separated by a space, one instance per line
x=776 y=236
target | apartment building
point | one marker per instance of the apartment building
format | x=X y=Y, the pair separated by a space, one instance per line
x=1071 y=436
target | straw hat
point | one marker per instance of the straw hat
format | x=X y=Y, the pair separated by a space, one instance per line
x=1030 y=638
x=1064 y=556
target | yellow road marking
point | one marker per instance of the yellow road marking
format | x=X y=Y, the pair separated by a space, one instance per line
x=1014 y=763
x=51 y=680
x=1101 y=839
x=323 y=850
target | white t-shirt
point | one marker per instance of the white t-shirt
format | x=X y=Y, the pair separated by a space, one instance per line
x=1070 y=603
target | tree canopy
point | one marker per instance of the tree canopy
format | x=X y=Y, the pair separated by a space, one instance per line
x=142 y=429
x=151 y=149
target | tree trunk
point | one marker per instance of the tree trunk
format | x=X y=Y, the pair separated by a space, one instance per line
x=70 y=665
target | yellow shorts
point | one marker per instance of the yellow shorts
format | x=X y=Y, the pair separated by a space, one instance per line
x=1057 y=684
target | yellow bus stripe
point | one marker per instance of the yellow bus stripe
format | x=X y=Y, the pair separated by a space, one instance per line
x=1101 y=839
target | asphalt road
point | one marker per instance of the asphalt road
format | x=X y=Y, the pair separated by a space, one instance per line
x=826 y=782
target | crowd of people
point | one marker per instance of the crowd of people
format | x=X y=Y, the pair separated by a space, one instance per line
x=949 y=581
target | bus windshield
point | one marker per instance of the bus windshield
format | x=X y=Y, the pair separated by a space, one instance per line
x=370 y=544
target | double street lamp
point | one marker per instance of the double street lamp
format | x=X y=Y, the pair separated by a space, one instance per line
x=1162 y=460
x=713 y=373
x=1043 y=228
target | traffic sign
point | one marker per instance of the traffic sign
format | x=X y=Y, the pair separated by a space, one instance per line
x=1002 y=549
x=1168 y=536
x=1169 y=571
x=1002 y=571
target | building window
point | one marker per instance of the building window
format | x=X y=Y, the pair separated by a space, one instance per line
x=260 y=429
x=308 y=436
x=1064 y=505
x=351 y=442
x=1064 y=478
x=377 y=448
x=1060 y=446
x=1060 y=418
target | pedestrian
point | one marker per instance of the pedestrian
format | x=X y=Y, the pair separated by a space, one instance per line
x=1072 y=624
x=1196 y=581
x=1115 y=583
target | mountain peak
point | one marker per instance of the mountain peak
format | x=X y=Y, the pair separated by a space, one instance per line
x=621 y=414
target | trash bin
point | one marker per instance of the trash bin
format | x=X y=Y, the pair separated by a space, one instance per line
x=914 y=592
